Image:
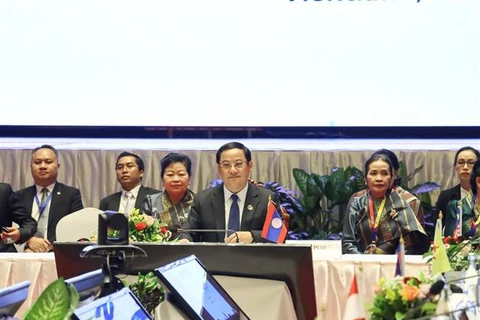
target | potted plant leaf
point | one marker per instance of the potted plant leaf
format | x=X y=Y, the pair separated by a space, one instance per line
x=321 y=195
x=57 y=302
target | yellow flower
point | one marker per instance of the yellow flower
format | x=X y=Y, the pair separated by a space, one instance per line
x=390 y=294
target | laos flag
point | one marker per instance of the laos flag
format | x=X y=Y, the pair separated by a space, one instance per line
x=273 y=228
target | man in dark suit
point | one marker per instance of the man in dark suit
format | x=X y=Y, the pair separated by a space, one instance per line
x=47 y=201
x=12 y=211
x=235 y=205
x=130 y=169
x=464 y=160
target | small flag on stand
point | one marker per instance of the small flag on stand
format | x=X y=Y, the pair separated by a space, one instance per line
x=457 y=232
x=440 y=261
x=400 y=268
x=273 y=228
x=354 y=308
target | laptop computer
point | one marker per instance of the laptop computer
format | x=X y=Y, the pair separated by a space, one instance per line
x=122 y=304
x=12 y=298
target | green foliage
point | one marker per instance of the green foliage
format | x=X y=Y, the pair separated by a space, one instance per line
x=316 y=221
x=457 y=252
x=148 y=291
x=57 y=302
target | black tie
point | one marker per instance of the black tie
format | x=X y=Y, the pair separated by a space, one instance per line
x=234 y=218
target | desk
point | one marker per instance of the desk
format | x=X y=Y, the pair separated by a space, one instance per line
x=332 y=278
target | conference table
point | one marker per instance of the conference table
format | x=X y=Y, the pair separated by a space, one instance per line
x=332 y=277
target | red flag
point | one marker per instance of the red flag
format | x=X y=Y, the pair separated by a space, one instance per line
x=273 y=228
x=354 y=309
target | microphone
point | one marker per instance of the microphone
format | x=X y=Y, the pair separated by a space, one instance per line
x=435 y=290
x=461 y=312
x=462 y=279
x=224 y=231
x=176 y=230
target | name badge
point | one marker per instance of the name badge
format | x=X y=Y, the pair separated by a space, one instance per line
x=321 y=249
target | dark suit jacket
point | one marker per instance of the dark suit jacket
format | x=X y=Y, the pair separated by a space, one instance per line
x=444 y=198
x=12 y=211
x=208 y=212
x=65 y=200
x=112 y=202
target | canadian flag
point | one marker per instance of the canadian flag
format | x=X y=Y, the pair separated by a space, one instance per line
x=354 y=308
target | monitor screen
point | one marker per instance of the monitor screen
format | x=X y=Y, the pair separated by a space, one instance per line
x=119 y=305
x=88 y=285
x=11 y=298
x=194 y=290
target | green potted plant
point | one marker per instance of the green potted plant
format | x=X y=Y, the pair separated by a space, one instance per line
x=318 y=219
x=148 y=291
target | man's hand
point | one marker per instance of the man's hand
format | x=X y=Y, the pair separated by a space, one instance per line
x=37 y=244
x=10 y=235
x=183 y=241
x=240 y=237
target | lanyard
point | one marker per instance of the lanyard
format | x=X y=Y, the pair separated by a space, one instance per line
x=42 y=206
x=375 y=221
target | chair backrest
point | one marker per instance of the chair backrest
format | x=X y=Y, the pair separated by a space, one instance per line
x=77 y=225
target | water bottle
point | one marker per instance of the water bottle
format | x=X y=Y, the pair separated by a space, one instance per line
x=472 y=283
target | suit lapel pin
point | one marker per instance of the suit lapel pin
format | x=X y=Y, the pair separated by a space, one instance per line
x=59 y=193
x=250 y=207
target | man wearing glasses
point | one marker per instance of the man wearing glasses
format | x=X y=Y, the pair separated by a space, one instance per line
x=464 y=160
x=235 y=210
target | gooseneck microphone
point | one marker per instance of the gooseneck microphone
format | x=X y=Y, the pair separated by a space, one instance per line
x=176 y=230
x=224 y=231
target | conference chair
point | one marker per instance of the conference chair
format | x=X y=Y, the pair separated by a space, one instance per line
x=78 y=225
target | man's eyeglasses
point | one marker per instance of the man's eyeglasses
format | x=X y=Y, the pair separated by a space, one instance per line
x=226 y=166
x=462 y=163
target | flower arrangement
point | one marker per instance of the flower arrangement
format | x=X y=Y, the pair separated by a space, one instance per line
x=142 y=228
x=394 y=298
x=457 y=251
x=145 y=228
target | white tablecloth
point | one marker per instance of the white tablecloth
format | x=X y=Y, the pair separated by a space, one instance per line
x=332 y=278
x=38 y=268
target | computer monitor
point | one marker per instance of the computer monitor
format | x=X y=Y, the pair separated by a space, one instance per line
x=195 y=291
x=12 y=298
x=119 y=305
x=88 y=285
